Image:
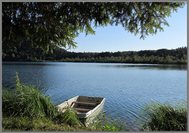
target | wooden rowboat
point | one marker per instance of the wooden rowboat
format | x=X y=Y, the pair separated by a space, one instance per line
x=87 y=108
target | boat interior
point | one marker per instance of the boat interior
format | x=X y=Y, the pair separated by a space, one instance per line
x=85 y=104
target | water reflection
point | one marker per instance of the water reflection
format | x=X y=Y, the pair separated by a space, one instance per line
x=118 y=65
x=149 y=66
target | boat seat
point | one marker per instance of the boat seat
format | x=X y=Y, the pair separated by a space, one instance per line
x=82 y=109
x=85 y=103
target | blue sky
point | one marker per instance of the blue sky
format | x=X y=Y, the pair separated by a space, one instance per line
x=115 y=38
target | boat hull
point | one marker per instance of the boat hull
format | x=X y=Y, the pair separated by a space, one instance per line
x=90 y=119
x=87 y=117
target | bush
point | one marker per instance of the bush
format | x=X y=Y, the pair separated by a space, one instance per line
x=164 y=117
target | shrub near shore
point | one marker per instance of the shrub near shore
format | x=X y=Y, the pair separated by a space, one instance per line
x=164 y=117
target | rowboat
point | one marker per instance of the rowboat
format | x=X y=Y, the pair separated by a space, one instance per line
x=87 y=108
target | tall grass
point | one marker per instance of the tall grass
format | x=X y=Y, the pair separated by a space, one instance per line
x=36 y=124
x=164 y=117
x=27 y=101
x=70 y=117
x=26 y=104
x=26 y=108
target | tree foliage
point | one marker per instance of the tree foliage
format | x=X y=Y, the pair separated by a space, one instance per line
x=48 y=25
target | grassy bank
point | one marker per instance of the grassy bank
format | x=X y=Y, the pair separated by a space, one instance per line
x=37 y=124
x=164 y=117
x=26 y=108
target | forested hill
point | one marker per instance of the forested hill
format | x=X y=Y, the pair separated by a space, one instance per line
x=161 y=56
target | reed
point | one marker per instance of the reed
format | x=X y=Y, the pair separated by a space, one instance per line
x=26 y=108
x=27 y=101
x=70 y=117
x=164 y=117
x=26 y=104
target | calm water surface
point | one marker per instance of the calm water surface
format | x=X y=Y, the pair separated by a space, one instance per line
x=128 y=88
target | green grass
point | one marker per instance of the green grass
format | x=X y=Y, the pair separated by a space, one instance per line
x=70 y=117
x=25 y=108
x=27 y=101
x=37 y=124
x=164 y=117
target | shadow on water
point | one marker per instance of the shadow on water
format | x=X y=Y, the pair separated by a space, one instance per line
x=34 y=63
x=118 y=65
x=149 y=66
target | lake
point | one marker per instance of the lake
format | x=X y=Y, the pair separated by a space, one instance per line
x=128 y=88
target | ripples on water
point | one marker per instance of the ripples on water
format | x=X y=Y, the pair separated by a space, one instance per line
x=128 y=88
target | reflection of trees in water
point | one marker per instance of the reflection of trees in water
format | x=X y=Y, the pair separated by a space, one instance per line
x=149 y=66
x=168 y=67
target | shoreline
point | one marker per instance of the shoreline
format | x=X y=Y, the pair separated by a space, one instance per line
x=56 y=61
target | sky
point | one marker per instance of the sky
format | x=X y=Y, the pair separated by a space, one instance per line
x=115 y=38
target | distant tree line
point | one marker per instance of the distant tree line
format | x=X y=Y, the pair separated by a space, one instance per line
x=161 y=56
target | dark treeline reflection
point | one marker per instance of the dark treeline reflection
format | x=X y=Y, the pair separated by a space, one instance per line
x=120 y=65
x=161 y=56
x=150 y=66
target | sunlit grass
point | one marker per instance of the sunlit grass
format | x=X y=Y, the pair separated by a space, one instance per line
x=26 y=108
x=70 y=117
x=164 y=117
x=27 y=101
x=37 y=124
